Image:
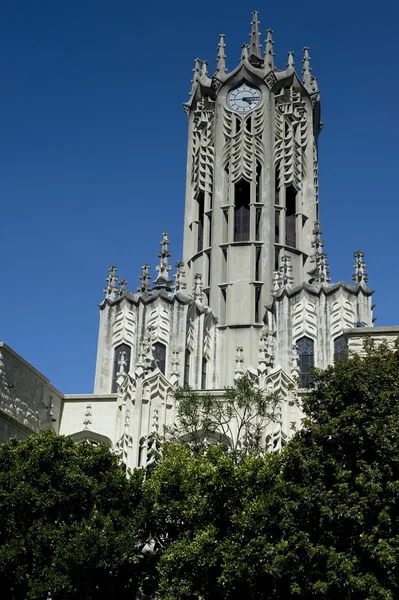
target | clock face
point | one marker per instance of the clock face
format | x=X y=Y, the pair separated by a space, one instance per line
x=244 y=98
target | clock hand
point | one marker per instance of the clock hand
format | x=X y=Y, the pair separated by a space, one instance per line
x=248 y=99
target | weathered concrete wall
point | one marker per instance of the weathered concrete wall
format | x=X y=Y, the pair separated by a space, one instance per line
x=28 y=402
x=357 y=336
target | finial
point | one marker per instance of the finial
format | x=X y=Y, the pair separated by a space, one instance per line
x=197 y=287
x=269 y=54
x=244 y=52
x=290 y=62
x=196 y=74
x=204 y=67
x=254 y=36
x=306 y=70
x=285 y=279
x=360 y=275
x=163 y=280
x=320 y=272
x=179 y=277
x=221 y=57
x=122 y=287
x=111 y=280
x=145 y=277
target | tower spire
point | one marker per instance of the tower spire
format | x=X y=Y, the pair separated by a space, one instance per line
x=254 y=36
x=360 y=275
x=306 y=70
x=196 y=75
x=291 y=62
x=145 y=277
x=221 y=57
x=269 y=54
x=320 y=272
x=163 y=280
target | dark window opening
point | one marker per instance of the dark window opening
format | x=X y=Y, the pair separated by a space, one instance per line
x=200 y=238
x=277 y=185
x=225 y=226
x=340 y=347
x=238 y=125
x=258 y=181
x=210 y=231
x=306 y=360
x=248 y=124
x=119 y=351
x=257 y=264
x=209 y=270
x=223 y=306
x=258 y=215
x=290 y=216
x=187 y=360
x=242 y=191
x=258 y=291
x=286 y=128
x=277 y=226
x=160 y=356
x=203 y=373
x=224 y=266
x=210 y=201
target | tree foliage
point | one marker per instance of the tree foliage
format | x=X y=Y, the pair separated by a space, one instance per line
x=236 y=419
x=320 y=520
x=70 y=526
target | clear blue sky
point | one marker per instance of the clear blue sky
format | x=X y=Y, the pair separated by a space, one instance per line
x=93 y=150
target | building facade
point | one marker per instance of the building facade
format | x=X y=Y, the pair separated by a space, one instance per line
x=252 y=293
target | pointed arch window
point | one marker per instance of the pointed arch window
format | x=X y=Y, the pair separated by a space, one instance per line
x=160 y=356
x=305 y=347
x=340 y=347
x=203 y=373
x=290 y=216
x=200 y=231
x=242 y=196
x=187 y=361
x=119 y=350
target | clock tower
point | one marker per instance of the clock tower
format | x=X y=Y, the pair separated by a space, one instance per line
x=252 y=185
x=253 y=293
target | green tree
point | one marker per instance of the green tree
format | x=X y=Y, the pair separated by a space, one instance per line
x=319 y=520
x=236 y=419
x=70 y=521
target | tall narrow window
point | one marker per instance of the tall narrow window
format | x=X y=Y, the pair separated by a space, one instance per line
x=209 y=271
x=305 y=347
x=238 y=124
x=224 y=266
x=277 y=226
x=225 y=232
x=121 y=359
x=277 y=184
x=203 y=373
x=248 y=124
x=290 y=216
x=210 y=231
x=160 y=356
x=241 y=211
x=257 y=263
x=187 y=360
x=258 y=216
x=258 y=182
x=223 y=306
x=258 y=291
x=340 y=347
x=200 y=238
